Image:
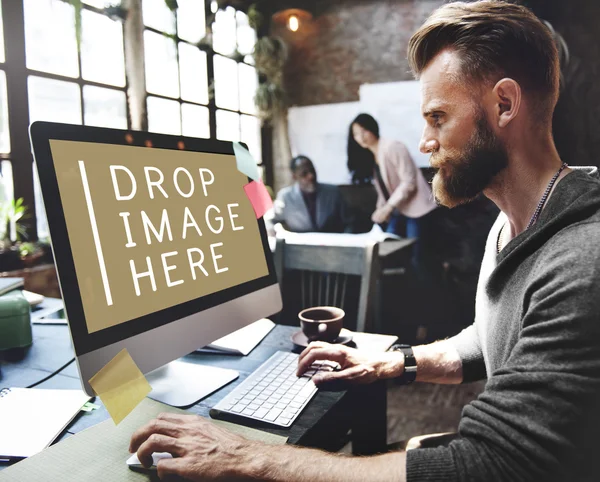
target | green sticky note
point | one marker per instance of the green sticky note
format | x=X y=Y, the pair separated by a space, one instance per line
x=89 y=406
x=245 y=161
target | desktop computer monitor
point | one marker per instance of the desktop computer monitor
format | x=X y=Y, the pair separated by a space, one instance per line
x=156 y=244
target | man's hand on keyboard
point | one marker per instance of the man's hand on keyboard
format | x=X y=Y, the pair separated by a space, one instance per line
x=200 y=449
x=355 y=366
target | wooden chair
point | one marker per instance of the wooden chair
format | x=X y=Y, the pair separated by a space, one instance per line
x=324 y=273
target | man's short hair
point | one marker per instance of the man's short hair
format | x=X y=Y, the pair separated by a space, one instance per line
x=494 y=39
x=297 y=160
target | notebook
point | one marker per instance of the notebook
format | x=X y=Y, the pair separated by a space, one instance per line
x=31 y=418
x=242 y=341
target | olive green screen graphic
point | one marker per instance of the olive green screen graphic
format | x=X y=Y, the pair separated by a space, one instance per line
x=153 y=228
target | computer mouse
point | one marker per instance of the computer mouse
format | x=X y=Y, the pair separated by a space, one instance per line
x=134 y=463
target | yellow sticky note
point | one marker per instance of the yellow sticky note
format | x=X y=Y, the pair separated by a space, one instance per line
x=120 y=385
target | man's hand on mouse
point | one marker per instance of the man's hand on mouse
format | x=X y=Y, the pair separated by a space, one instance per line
x=200 y=449
x=356 y=366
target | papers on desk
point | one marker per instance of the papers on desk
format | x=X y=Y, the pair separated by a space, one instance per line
x=242 y=341
x=337 y=239
x=31 y=418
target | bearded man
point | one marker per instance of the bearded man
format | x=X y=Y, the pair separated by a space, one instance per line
x=489 y=75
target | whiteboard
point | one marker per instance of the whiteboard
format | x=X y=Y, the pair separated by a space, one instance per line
x=397 y=108
x=321 y=133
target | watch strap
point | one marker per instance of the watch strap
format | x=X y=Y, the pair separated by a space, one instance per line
x=410 y=364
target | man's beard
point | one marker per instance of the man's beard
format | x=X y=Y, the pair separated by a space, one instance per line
x=462 y=176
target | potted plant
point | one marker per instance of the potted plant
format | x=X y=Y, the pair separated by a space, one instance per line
x=11 y=231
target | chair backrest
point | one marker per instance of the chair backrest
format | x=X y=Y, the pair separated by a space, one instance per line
x=324 y=273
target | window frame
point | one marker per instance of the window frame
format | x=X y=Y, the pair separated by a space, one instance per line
x=210 y=71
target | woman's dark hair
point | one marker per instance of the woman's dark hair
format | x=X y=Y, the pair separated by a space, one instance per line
x=361 y=161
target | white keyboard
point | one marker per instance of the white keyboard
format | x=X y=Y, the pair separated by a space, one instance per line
x=272 y=393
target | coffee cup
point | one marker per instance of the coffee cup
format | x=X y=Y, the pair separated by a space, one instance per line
x=322 y=323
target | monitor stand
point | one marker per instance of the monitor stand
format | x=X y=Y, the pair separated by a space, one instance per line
x=182 y=384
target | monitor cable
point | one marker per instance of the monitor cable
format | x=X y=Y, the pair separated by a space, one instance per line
x=52 y=374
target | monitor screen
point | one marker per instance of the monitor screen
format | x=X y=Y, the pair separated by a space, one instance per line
x=150 y=229
x=148 y=232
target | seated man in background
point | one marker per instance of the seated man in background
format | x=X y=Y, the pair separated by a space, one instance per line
x=309 y=206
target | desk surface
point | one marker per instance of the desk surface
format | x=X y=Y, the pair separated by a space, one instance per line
x=52 y=348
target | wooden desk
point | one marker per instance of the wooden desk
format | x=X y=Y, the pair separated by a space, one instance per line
x=324 y=423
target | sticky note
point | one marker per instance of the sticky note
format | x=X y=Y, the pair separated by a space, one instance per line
x=245 y=161
x=89 y=406
x=120 y=385
x=259 y=197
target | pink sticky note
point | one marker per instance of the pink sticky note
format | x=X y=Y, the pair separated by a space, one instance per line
x=259 y=197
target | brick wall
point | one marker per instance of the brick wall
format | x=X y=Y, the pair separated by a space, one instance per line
x=351 y=42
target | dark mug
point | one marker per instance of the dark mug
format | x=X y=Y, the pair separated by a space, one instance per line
x=322 y=323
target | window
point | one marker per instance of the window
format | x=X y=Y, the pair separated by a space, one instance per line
x=196 y=86
x=176 y=68
x=235 y=83
x=71 y=85
x=177 y=73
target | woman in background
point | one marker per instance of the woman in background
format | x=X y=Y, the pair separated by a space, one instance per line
x=405 y=205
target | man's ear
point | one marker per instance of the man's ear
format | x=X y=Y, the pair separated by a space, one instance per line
x=507 y=98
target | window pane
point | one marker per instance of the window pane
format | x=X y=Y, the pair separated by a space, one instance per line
x=192 y=69
x=54 y=100
x=194 y=119
x=4 y=131
x=50 y=42
x=191 y=20
x=157 y=15
x=228 y=126
x=40 y=212
x=246 y=36
x=226 y=83
x=164 y=116
x=248 y=86
x=104 y=107
x=102 y=58
x=2 y=57
x=223 y=29
x=7 y=191
x=98 y=3
x=7 y=181
x=161 y=65
x=251 y=135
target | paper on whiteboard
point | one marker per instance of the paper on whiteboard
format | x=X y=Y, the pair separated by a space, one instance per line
x=397 y=108
x=321 y=133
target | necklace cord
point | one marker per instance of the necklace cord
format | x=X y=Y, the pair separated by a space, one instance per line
x=538 y=209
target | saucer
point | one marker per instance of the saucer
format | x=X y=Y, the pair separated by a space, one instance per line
x=300 y=339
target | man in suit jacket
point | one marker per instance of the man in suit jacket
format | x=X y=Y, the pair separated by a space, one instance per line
x=309 y=206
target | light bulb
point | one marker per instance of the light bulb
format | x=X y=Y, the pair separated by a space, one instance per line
x=293 y=23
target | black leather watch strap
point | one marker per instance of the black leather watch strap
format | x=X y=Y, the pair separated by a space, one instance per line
x=410 y=364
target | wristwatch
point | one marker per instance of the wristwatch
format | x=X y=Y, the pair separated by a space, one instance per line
x=410 y=364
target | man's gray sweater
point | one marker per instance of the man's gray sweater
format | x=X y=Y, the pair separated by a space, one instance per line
x=538 y=418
